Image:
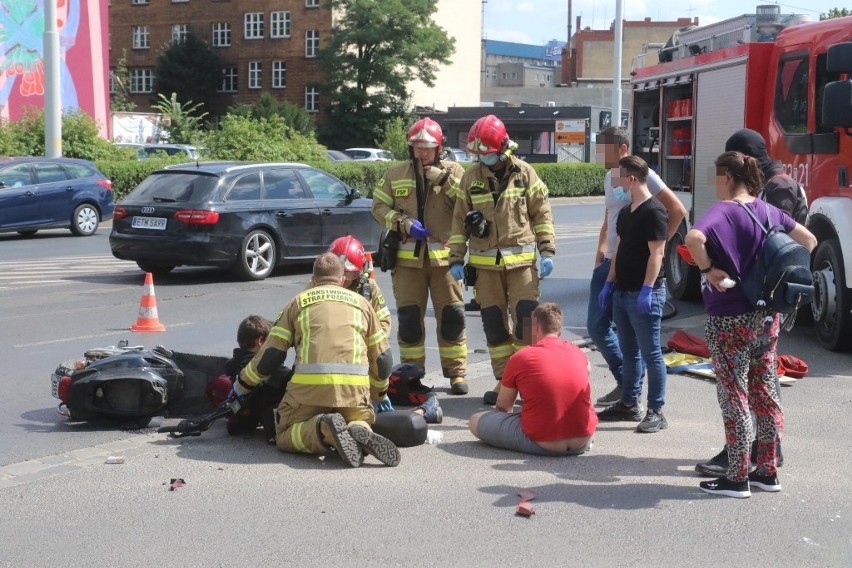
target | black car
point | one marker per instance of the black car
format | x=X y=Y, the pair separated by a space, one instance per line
x=53 y=193
x=246 y=217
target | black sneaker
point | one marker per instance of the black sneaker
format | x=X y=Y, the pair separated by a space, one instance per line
x=620 y=412
x=472 y=306
x=716 y=466
x=723 y=486
x=611 y=397
x=347 y=448
x=766 y=482
x=654 y=421
x=377 y=446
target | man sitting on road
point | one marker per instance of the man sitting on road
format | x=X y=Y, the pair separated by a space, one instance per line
x=552 y=377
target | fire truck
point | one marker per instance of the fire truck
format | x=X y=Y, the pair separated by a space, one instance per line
x=790 y=80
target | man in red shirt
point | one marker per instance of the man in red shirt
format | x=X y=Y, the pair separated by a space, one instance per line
x=552 y=377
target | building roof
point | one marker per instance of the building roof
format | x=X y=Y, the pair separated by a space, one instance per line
x=551 y=50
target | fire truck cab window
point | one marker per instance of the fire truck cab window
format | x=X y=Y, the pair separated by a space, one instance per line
x=791 y=95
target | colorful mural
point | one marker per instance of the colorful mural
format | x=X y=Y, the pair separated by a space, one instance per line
x=83 y=45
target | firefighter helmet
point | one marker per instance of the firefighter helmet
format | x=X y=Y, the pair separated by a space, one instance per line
x=351 y=252
x=219 y=389
x=487 y=136
x=426 y=133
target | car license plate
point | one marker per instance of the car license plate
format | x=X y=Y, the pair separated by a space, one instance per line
x=54 y=385
x=158 y=223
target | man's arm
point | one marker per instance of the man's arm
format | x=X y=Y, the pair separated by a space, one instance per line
x=506 y=399
x=383 y=205
x=677 y=212
x=377 y=301
x=655 y=261
x=540 y=215
x=601 y=254
x=459 y=234
x=378 y=354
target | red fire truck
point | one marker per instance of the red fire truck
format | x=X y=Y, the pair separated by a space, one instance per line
x=791 y=81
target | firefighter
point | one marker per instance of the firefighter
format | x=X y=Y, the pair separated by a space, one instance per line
x=359 y=276
x=503 y=212
x=342 y=362
x=416 y=199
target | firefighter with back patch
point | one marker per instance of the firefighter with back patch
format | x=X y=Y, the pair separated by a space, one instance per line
x=342 y=362
x=503 y=211
x=416 y=199
x=358 y=278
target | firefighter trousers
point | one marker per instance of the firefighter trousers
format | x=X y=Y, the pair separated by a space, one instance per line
x=297 y=425
x=412 y=287
x=501 y=294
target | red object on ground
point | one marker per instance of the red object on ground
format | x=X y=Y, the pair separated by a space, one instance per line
x=176 y=482
x=793 y=366
x=525 y=509
x=685 y=342
x=684 y=253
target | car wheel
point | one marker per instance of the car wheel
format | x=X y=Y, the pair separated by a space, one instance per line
x=257 y=256
x=27 y=233
x=153 y=268
x=832 y=300
x=683 y=280
x=84 y=221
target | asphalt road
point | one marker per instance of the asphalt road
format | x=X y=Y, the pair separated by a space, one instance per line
x=633 y=500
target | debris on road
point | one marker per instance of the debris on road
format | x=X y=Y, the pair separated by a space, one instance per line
x=115 y=459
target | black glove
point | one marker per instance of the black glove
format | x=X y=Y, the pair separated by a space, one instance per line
x=477 y=224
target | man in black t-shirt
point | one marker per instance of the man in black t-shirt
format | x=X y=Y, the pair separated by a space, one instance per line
x=637 y=289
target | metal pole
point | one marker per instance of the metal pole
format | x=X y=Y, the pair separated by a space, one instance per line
x=52 y=88
x=616 y=66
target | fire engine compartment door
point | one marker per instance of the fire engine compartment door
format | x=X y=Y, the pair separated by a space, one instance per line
x=719 y=112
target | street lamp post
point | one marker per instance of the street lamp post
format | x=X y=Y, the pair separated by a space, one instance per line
x=616 y=66
x=52 y=102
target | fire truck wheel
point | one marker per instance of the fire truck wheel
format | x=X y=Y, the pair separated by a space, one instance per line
x=682 y=280
x=832 y=300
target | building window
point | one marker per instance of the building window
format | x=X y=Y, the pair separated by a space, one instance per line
x=514 y=75
x=549 y=78
x=141 y=37
x=311 y=43
x=179 y=1
x=279 y=24
x=138 y=2
x=221 y=34
x=229 y=80
x=312 y=3
x=254 y=25
x=179 y=32
x=311 y=99
x=141 y=80
x=112 y=81
x=255 y=74
x=505 y=75
x=279 y=74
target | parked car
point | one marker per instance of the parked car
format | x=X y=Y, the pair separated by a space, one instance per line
x=369 y=154
x=246 y=217
x=187 y=150
x=338 y=156
x=53 y=193
x=456 y=155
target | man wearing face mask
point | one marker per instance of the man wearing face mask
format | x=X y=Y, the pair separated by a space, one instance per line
x=503 y=213
x=611 y=145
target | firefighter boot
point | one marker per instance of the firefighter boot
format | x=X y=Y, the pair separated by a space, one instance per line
x=333 y=430
x=377 y=446
x=490 y=397
x=458 y=385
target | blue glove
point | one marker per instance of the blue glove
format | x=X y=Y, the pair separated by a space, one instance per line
x=605 y=297
x=418 y=231
x=643 y=304
x=545 y=266
x=457 y=270
x=383 y=405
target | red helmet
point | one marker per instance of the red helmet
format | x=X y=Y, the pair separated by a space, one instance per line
x=218 y=389
x=426 y=133
x=351 y=252
x=487 y=136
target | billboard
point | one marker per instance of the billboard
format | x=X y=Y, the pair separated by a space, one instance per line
x=84 y=64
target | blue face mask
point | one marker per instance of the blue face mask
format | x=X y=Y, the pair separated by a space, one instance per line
x=489 y=159
x=620 y=194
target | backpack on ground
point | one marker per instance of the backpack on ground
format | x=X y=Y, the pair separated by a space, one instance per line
x=780 y=280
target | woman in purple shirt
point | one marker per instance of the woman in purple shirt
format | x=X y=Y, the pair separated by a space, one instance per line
x=742 y=340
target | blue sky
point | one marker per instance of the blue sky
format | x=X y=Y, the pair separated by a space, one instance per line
x=538 y=21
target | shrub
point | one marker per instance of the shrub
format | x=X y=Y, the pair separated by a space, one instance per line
x=127 y=174
x=572 y=180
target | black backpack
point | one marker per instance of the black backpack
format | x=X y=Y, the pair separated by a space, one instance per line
x=780 y=280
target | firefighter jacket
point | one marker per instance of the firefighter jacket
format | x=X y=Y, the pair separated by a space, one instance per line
x=342 y=355
x=518 y=215
x=395 y=206
x=371 y=292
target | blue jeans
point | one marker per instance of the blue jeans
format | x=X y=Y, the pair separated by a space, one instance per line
x=600 y=328
x=639 y=337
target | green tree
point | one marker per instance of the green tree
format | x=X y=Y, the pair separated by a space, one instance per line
x=182 y=120
x=267 y=106
x=836 y=13
x=395 y=139
x=261 y=139
x=189 y=69
x=376 y=48
x=119 y=99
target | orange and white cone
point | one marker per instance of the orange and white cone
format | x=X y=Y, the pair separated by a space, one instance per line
x=148 y=319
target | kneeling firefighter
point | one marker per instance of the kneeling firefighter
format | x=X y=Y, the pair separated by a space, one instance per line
x=415 y=200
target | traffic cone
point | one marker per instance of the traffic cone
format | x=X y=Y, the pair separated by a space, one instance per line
x=370 y=266
x=148 y=320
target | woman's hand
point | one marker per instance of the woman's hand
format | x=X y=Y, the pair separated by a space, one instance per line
x=715 y=277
